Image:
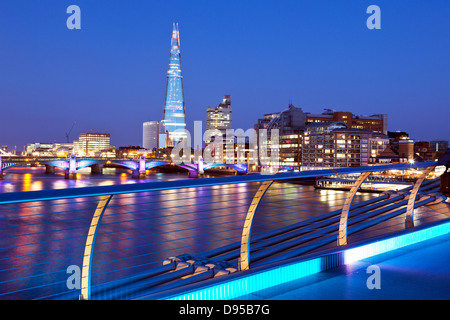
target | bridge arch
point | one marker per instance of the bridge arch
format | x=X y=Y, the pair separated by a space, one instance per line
x=240 y=168
x=5 y=166
x=127 y=164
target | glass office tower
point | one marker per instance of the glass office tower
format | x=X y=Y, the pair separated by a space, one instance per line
x=173 y=122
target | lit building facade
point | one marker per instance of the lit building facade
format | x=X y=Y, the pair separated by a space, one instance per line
x=92 y=144
x=290 y=124
x=375 y=123
x=150 y=134
x=220 y=119
x=173 y=122
x=334 y=144
x=38 y=149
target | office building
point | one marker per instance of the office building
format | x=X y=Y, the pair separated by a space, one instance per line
x=92 y=144
x=439 y=146
x=150 y=134
x=220 y=117
x=40 y=149
x=173 y=123
x=290 y=124
x=375 y=123
x=220 y=120
x=422 y=151
x=402 y=145
x=334 y=144
x=56 y=149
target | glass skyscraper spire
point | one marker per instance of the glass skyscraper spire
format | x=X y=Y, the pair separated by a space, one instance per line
x=174 y=121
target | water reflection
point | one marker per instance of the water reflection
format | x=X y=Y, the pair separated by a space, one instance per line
x=35 y=178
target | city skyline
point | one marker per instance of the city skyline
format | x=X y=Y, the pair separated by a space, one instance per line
x=108 y=75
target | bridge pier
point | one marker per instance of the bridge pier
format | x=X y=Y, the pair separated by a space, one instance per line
x=137 y=174
x=199 y=173
x=71 y=172
x=70 y=175
x=193 y=174
x=49 y=169
x=97 y=169
x=140 y=172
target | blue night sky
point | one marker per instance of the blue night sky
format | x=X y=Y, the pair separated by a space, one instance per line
x=110 y=76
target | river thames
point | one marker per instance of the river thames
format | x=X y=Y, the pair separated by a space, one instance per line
x=40 y=240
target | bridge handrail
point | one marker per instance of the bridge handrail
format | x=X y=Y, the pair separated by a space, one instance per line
x=43 y=195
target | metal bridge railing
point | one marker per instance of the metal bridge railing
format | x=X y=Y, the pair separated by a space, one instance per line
x=117 y=236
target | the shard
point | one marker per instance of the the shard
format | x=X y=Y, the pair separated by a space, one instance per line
x=173 y=124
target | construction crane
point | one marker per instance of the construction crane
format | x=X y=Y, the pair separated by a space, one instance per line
x=67 y=133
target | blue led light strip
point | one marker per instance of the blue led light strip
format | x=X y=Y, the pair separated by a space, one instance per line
x=255 y=282
x=296 y=270
x=390 y=244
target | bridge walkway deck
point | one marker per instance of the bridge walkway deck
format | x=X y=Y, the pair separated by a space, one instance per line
x=416 y=272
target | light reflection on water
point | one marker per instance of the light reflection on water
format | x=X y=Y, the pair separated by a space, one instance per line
x=41 y=239
x=35 y=178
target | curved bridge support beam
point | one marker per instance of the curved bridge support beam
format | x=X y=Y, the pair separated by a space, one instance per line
x=192 y=168
x=97 y=168
x=89 y=248
x=244 y=260
x=342 y=237
x=409 y=218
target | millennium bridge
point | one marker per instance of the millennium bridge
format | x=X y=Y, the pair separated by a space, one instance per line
x=162 y=240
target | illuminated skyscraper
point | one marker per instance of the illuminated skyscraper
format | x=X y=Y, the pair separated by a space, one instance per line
x=174 y=121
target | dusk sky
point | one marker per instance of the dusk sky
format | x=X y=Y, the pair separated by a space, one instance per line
x=110 y=75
